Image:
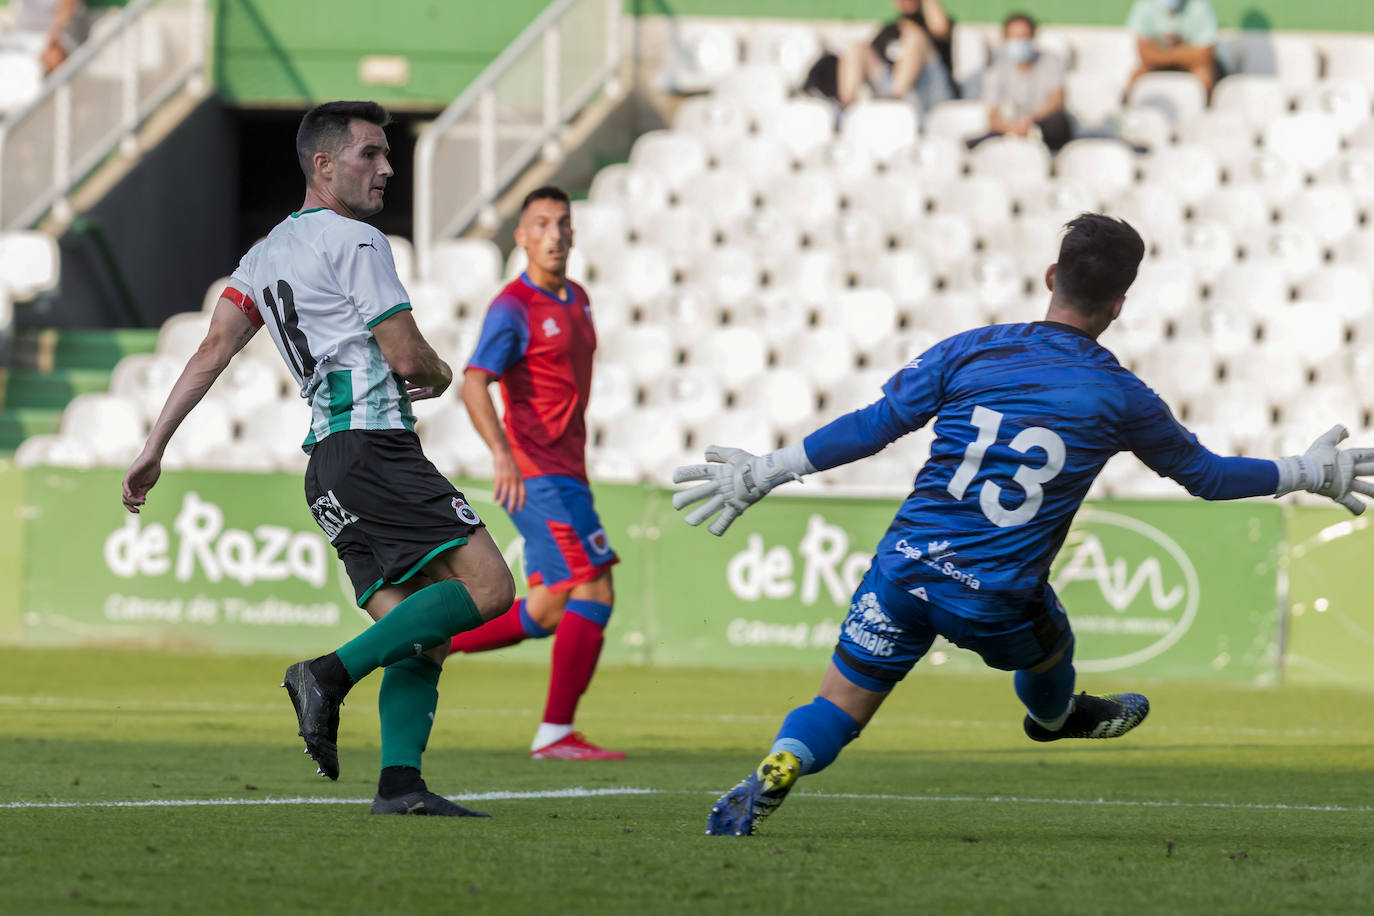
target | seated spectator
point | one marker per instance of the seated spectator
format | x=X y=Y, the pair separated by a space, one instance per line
x=51 y=29
x=1024 y=88
x=1175 y=35
x=910 y=55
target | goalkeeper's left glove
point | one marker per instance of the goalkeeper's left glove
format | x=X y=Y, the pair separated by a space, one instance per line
x=735 y=480
x=1329 y=471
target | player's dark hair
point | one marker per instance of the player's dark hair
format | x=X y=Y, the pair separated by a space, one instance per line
x=547 y=192
x=1098 y=260
x=327 y=128
x=1019 y=17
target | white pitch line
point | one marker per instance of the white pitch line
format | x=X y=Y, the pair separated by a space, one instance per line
x=579 y=792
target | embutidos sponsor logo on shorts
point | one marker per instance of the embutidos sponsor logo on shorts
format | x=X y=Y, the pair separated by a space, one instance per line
x=1131 y=590
x=868 y=626
x=331 y=516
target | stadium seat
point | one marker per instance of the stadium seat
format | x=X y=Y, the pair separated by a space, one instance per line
x=1253 y=288
x=746 y=429
x=1169 y=284
x=698 y=57
x=645 y=351
x=1109 y=54
x=893 y=200
x=1092 y=102
x=855 y=235
x=1176 y=94
x=1309 y=139
x=737 y=355
x=1227 y=135
x=905 y=275
x=984 y=202
x=213 y=292
x=859 y=389
x=945 y=239
x=1059 y=201
x=278 y=431
x=759 y=159
x=1241 y=207
x=807 y=198
x=729 y=275
x=1345 y=290
x=688 y=310
x=29 y=263
x=1032 y=242
x=946 y=312
x=776 y=312
x=692 y=393
x=725 y=195
x=431 y=305
x=576 y=268
x=756 y=88
x=1189 y=171
x=1357 y=249
x=931 y=161
x=881 y=127
x=959 y=120
x=841 y=164
x=1021 y=166
x=678 y=158
x=21 y=79
x=642 y=274
x=1145 y=126
x=110 y=426
x=823 y=355
x=598 y=227
x=1154 y=210
x=1345 y=101
x=1258 y=99
x=451 y=441
x=1291 y=60
x=864 y=316
x=994 y=279
x=810 y=276
x=683 y=233
x=638 y=191
x=145 y=379
x=181 y=334
x=1209 y=246
x=613 y=392
x=768 y=233
x=53 y=451
x=1353 y=172
x=1274 y=176
x=1329 y=212
x=791 y=49
x=403 y=255
x=800 y=126
x=249 y=384
x=207 y=429
x=717 y=122
x=970 y=53
x=1350 y=57
x=1105 y=167
x=469 y=268
x=1296 y=250
x=786 y=396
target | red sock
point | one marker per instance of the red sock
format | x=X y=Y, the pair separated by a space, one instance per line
x=576 y=648
x=506 y=630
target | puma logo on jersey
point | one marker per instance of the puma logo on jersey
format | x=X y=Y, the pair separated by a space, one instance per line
x=371 y=245
x=551 y=328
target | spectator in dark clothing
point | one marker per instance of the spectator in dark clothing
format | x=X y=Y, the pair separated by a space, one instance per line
x=909 y=56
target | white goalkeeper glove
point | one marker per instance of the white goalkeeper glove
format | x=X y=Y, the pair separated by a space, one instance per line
x=735 y=480
x=1329 y=471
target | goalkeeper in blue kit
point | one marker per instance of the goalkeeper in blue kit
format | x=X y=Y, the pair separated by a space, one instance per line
x=1026 y=415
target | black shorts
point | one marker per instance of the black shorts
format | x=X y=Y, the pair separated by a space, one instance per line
x=383 y=506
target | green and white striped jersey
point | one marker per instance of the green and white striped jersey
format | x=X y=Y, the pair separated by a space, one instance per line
x=320 y=282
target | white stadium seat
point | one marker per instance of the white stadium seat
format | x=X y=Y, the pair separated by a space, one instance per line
x=1328 y=211
x=21 y=79
x=110 y=426
x=30 y=263
x=1357 y=249
x=800 y=126
x=1106 y=167
x=689 y=310
x=984 y=202
x=808 y=199
x=792 y=49
x=1274 y=176
x=693 y=393
x=638 y=191
x=642 y=273
x=1092 y=101
x=1059 y=201
x=729 y=275
x=758 y=89
x=55 y=451
x=207 y=429
x=213 y=292
x=277 y=431
x=768 y=233
x=1350 y=57
x=1241 y=207
x=598 y=227
x=1296 y=250
x=1353 y=172
x=1258 y=99
x=864 y=316
x=1189 y=171
x=841 y=164
x=759 y=159
x=646 y=351
x=248 y=384
x=1107 y=53
x=717 y=122
x=181 y=334
x=892 y=199
x=1209 y=246
x=1019 y=165
x=677 y=157
x=1154 y=210
x=1176 y=94
x=905 y=275
x=403 y=255
x=1308 y=139
x=1347 y=291
x=930 y=161
x=1345 y=101
x=854 y=234
x=882 y=127
x=809 y=276
x=683 y=233
x=725 y=195
x=946 y=240
x=786 y=396
x=1253 y=287
x=699 y=56
x=958 y=119
x=736 y=354
x=970 y=53
x=1291 y=60
x=825 y=356
x=1227 y=135
x=1145 y=125
x=469 y=268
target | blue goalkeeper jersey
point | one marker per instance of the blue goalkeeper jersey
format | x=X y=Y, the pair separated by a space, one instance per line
x=1025 y=415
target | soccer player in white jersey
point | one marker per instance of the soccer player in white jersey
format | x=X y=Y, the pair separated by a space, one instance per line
x=421 y=561
x=1025 y=417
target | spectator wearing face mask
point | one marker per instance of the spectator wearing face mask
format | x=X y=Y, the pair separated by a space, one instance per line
x=1175 y=35
x=1024 y=88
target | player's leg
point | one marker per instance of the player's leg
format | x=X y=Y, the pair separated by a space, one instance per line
x=883 y=636
x=580 y=633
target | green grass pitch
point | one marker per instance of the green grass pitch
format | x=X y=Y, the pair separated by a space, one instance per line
x=1227 y=800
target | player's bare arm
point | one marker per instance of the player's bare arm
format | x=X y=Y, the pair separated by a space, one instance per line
x=230 y=330
x=508 y=485
x=411 y=356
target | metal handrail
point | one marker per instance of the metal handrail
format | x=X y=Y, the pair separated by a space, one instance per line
x=480 y=96
x=71 y=166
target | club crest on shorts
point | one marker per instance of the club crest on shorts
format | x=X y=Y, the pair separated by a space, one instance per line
x=465 y=513
x=598 y=542
x=330 y=515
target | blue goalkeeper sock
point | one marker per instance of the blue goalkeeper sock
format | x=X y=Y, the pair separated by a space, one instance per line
x=816 y=733
x=1047 y=695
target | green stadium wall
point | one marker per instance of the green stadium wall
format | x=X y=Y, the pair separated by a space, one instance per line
x=1250 y=592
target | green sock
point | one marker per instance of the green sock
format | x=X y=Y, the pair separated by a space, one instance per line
x=430 y=617
x=406 y=702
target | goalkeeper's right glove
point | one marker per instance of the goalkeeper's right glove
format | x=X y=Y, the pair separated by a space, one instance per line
x=1329 y=471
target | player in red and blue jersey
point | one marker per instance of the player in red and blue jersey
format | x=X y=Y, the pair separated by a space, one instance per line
x=1025 y=417
x=538 y=340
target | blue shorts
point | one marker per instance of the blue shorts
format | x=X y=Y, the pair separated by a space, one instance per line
x=565 y=544
x=888 y=630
